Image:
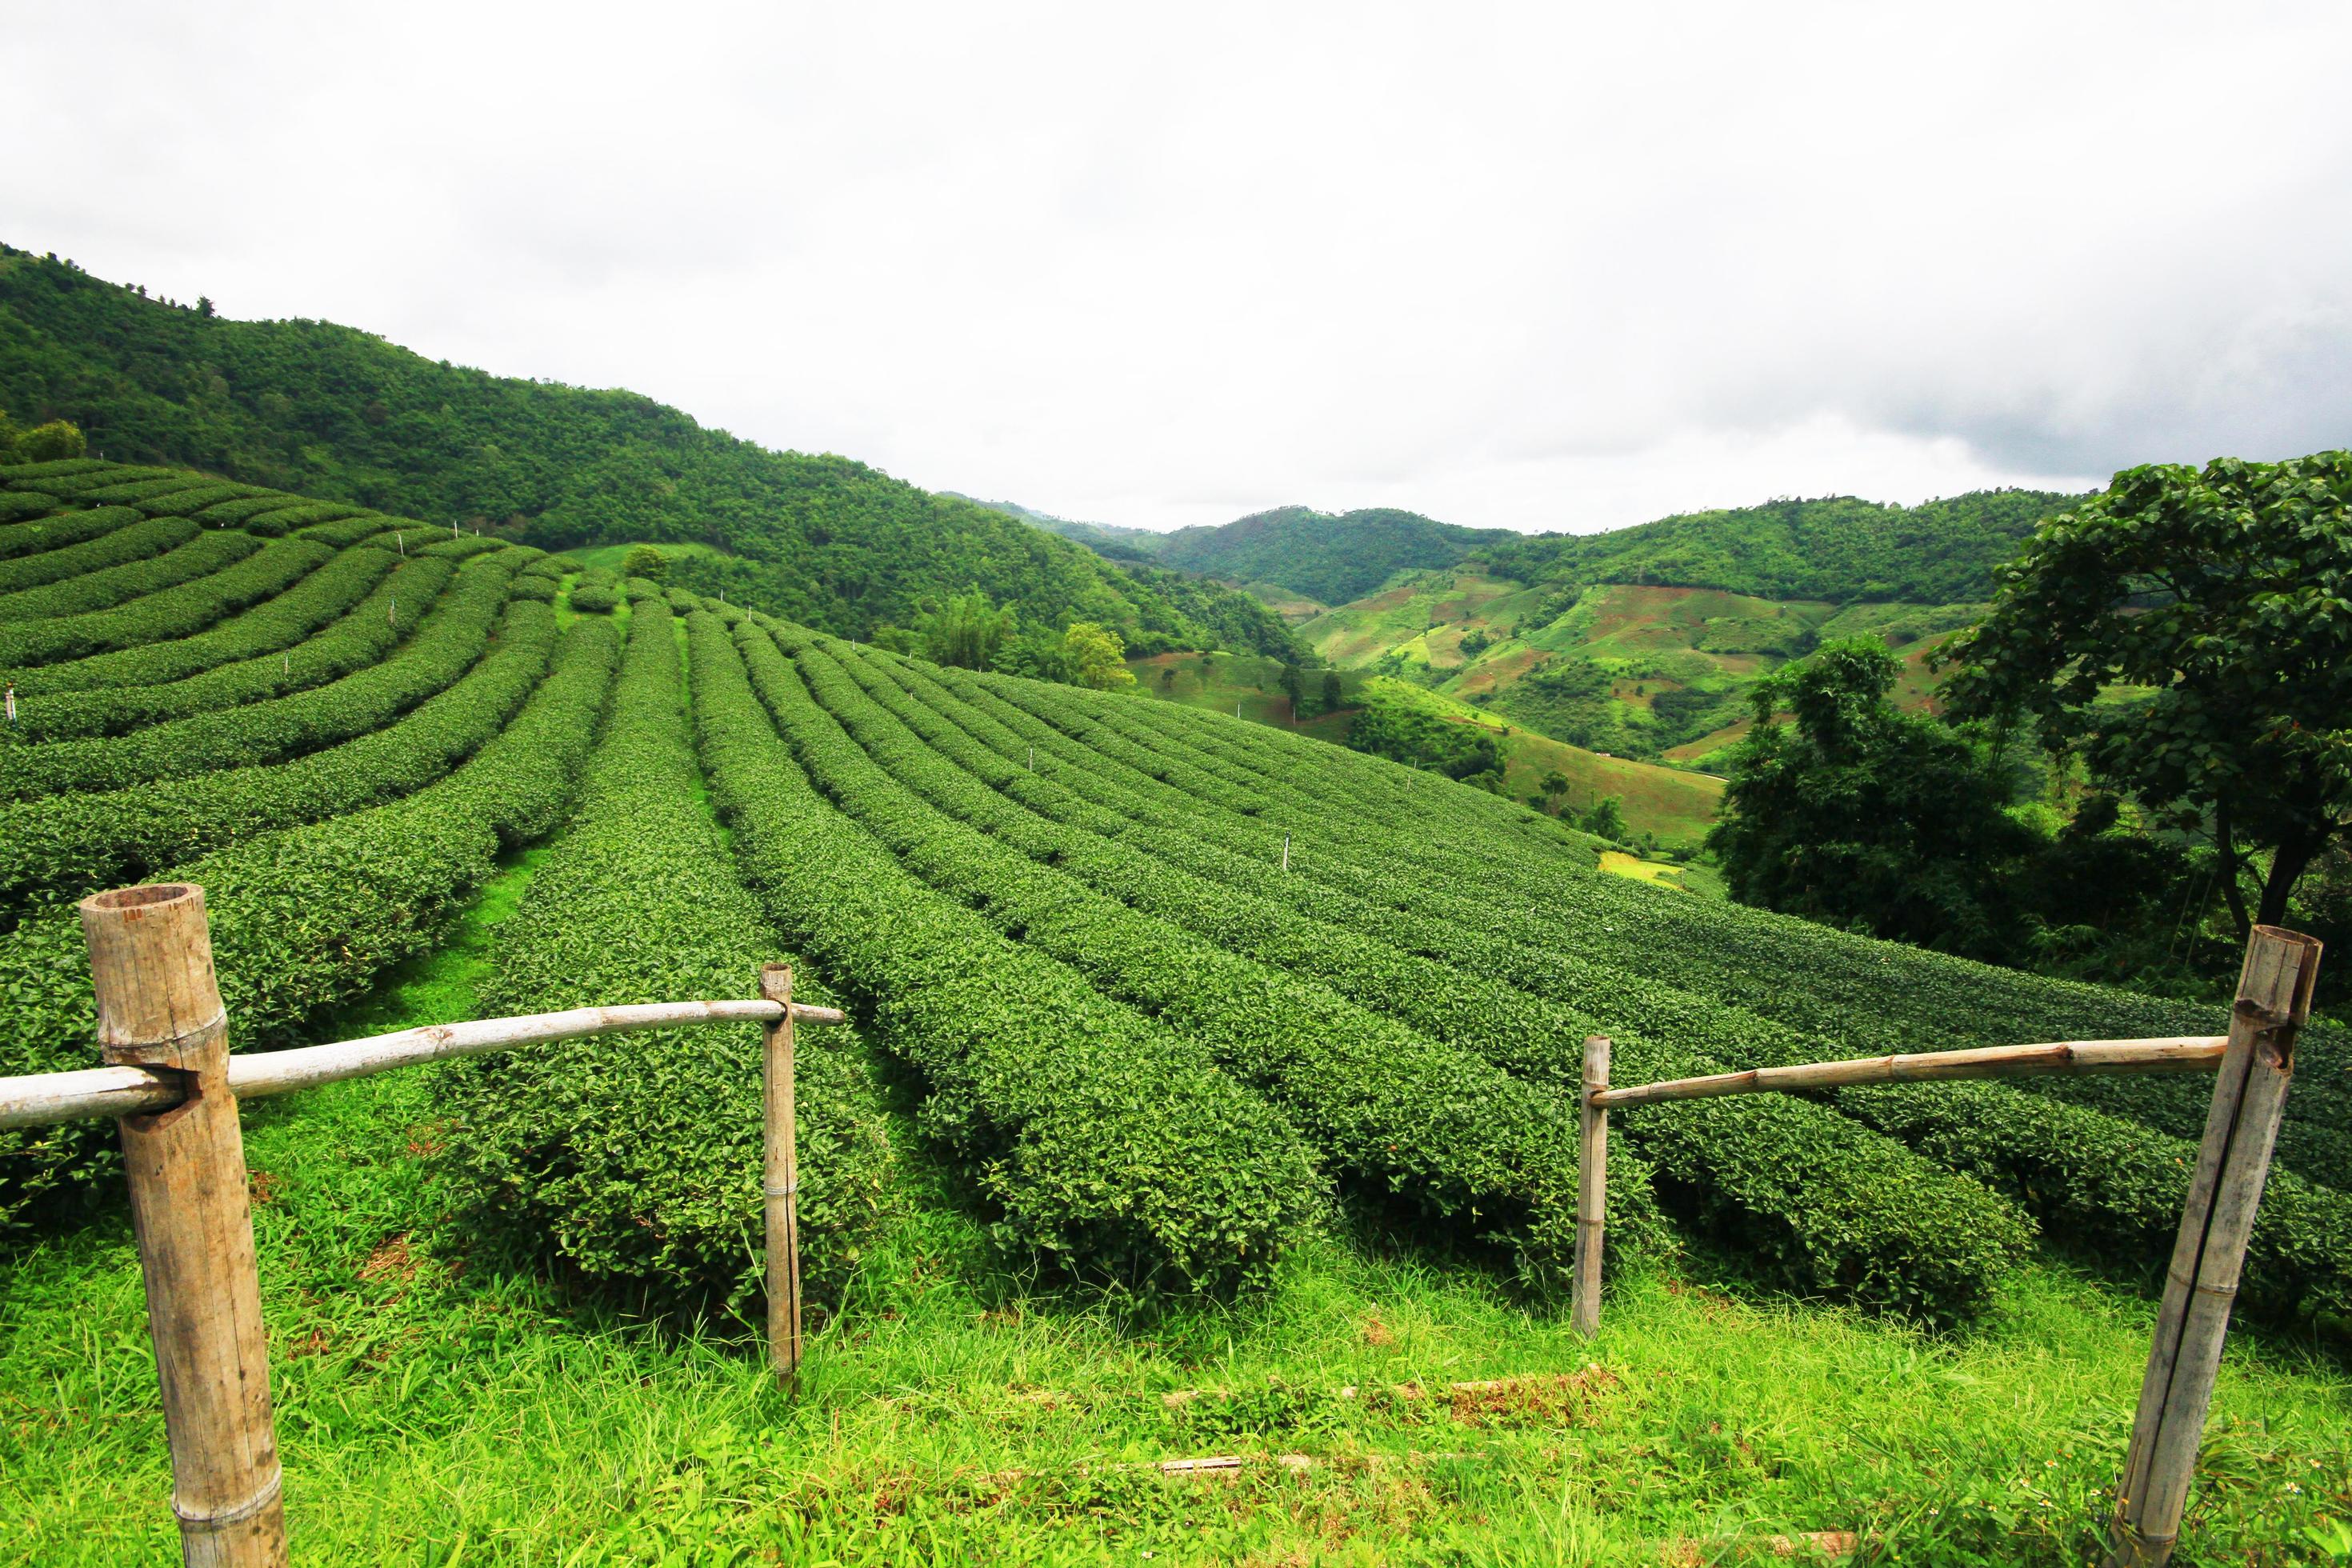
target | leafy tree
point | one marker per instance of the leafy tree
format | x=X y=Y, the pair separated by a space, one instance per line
x=2190 y=635
x=205 y=306
x=1168 y=678
x=1606 y=819
x=1868 y=816
x=968 y=631
x=645 y=562
x=49 y=442
x=1293 y=686
x=1095 y=657
x=1554 y=785
x=1333 y=695
x=1387 y=726
x=1475 y=642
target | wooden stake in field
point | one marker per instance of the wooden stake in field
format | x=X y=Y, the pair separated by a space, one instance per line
x=2249 y=1097
x=151 y=961
x=1285 y=851
x=779 y=1182
x=1591 y=1185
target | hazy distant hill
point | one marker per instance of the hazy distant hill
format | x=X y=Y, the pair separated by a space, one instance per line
x=328 y=411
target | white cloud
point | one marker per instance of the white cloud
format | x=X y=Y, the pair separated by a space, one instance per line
x=1533 y=266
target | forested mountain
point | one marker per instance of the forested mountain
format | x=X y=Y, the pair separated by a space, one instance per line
x=1332 y=558
x=336 y=413
x=1837 y=549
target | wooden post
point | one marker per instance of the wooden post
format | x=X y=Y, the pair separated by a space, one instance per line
x=150 y=963
x=780 y=1184
x=1592 y=1186
x=2249 y=1095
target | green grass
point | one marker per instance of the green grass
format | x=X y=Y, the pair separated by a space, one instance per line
x=434 y=1409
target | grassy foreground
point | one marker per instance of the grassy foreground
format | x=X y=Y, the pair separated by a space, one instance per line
x=436 y=1408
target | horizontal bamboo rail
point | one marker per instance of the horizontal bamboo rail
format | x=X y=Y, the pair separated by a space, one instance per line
x=163 y=1034
x=2186 y=1053
x=42 y=1099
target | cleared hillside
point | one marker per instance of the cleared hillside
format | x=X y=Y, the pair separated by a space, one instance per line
x=1643 y=672
x=344 y=415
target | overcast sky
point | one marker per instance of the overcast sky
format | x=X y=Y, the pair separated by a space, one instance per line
x=1533 y=266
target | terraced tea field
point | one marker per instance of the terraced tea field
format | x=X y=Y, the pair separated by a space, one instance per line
x=1130 y=1109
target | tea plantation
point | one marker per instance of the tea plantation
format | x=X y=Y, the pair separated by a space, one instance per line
x=1130 y=1107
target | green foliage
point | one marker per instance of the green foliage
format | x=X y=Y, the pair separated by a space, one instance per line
x=301 y=920
x=160 y=612
x=1606 y=819
x=1391 y=1111
x=645 y=562
x=1868 y=816
x=1100 y=1139
x=1387 y=726
x=337 y=413
x=1092 y=656
x=67 y=845
x=636 y=1163
x=2220 y=601
x=1329 y=558
x=237 y=717
x=1837 y=549
x=48 y=442
x=967 y=630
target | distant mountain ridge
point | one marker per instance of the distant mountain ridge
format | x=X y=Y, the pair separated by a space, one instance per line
x=1835 y=549
x=331 y=412
x=1838 y=550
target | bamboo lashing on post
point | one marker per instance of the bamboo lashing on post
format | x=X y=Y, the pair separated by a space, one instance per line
x=2274 y=991
x=41 y=1099
x=2188 y=1053
x=151 y=963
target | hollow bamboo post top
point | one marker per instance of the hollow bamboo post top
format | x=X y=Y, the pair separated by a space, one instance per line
x=163 y=1006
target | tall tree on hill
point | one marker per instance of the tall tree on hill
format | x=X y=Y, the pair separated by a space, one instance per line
x=1293 y=686
x=2190 y=635
x=967 y=631
x=1866 y=817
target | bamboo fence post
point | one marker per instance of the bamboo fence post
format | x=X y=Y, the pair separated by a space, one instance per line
x=151 y=961
x=2249 y=1095
x=779 y=1182
x=1591 y=1185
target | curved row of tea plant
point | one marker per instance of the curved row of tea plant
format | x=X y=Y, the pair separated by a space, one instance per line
x=430 y=641
x=31 y=524
x=2090 y=1164
x=269 y=626
x=1836 y=1208
x=66 y=846
x=1390 y=1111
x=1858 y=997
x=116 y=546
x=302 y=919
x=1102 y=1139
x=191 y=554
x=375 y=616
x=636 y=1161
x=174 y=611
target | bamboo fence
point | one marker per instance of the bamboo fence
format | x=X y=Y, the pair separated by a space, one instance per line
x=171 y=1080
x=2255 y=1065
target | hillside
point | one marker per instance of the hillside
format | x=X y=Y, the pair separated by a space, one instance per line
x=1151 y=1137
x=1651 y=672
x=1837 y=549
x=342 y=414
x=1325 y=557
